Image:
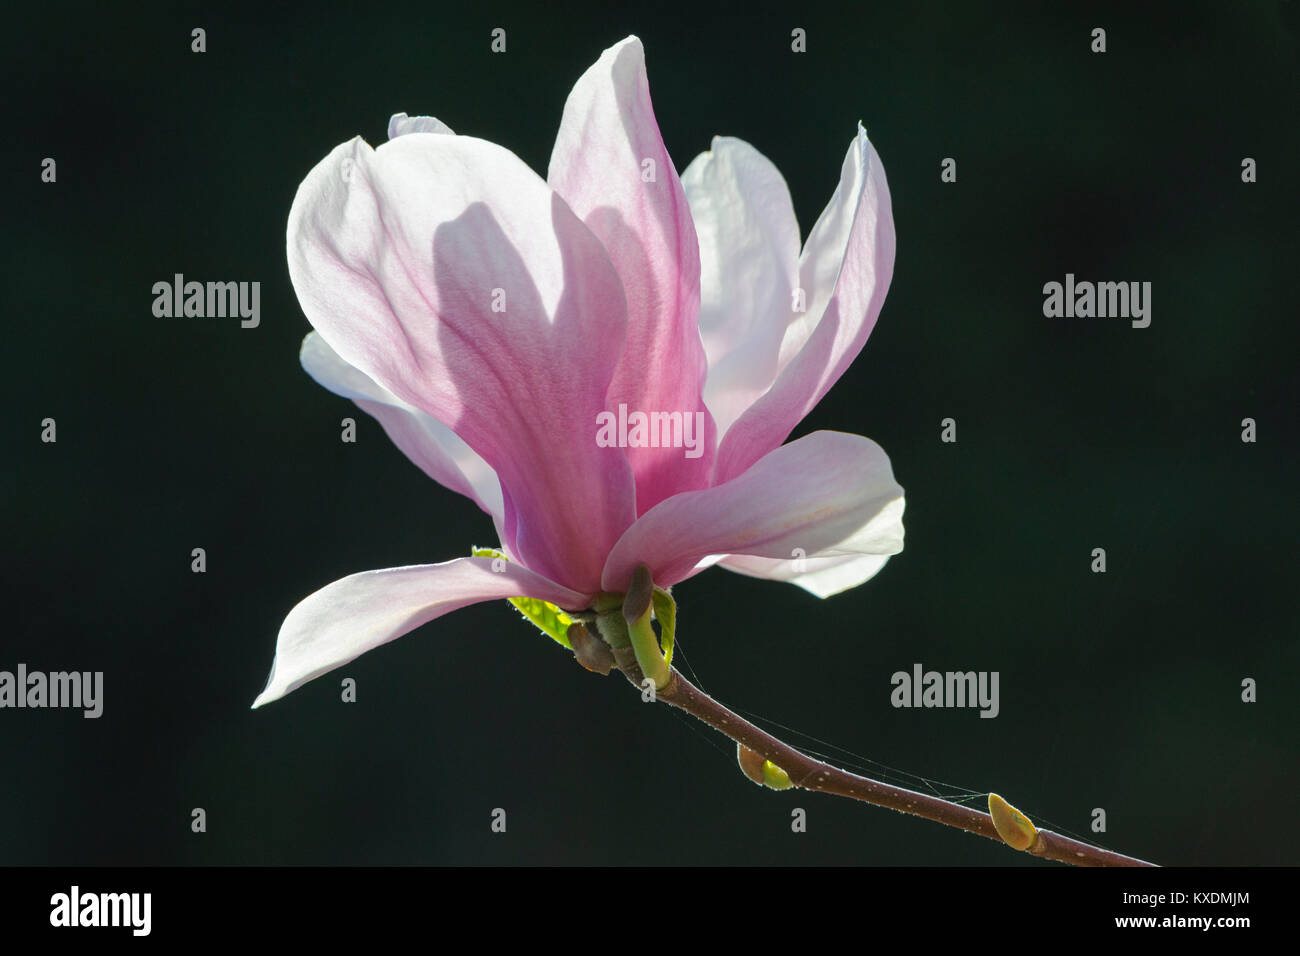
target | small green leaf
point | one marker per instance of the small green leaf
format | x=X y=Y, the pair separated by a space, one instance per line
x=546 y=617
x=666 y=614
x=552 y=622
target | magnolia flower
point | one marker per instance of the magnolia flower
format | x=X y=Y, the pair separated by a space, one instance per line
x=488 y=319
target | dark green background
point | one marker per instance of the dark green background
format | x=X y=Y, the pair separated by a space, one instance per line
x=1118 y=691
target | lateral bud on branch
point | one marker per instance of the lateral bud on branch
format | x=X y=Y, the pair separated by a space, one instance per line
x=761 y=770
x=1013 y=826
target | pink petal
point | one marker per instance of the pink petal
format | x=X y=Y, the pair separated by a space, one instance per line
x=607 y=134
x=358 y=613
x=749 y=261
x=845 y=270
x=398 y=256
x=827 y=493
x=435 y=448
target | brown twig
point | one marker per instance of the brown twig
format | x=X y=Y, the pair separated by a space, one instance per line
x=810 y=774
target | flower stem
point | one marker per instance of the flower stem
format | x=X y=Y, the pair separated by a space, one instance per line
x=812 y=774
x=637 y=609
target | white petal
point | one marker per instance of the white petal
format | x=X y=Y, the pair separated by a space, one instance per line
x=358 y=613
x=822 y=575
x=828 y=493
x=844 y=271
x=452 y=275
x=749 y=249
x=400 y=125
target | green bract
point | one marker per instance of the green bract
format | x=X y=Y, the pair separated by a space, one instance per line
x=548 y=618
x=665 y=609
